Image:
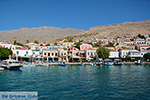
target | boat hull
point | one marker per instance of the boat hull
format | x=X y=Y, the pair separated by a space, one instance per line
x=62 y=64
x=108 y=64
x=17 y=67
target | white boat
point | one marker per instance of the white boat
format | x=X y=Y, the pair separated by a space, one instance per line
x=92 y=64
x=28 y=65
x=138 y=62
x=11 y=64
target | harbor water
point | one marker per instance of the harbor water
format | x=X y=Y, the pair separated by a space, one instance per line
x=126 y=82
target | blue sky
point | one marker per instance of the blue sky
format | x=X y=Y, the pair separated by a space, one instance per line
x=79 y=14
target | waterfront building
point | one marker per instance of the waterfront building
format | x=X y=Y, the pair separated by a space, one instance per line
x=134 y=54
x=123 y=53
x=22 y=54
x=113 y=54
x=62 y=54
x=90 y=54
x=50 y=55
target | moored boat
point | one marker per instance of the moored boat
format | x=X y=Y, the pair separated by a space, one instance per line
x=11 y=64
x=107 y=62
x=117 y=62
x=138 y=62
x=62 y=63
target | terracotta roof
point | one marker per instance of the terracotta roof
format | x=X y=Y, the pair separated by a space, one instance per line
x=111 y=50
x=131 y=45
x=90 y=49
x=144 y=46
x=59 y=48
x=124 y=49
x=1 y=46
x=53 y=45
x=67 y=42
x=50 y=49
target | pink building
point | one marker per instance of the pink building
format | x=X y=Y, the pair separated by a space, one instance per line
x=24 y=48
x=85 y=46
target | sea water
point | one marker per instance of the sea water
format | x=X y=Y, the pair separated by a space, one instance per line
x=126 y=82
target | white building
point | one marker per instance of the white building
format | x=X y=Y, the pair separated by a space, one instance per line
x=114 y=54
x=22 y=53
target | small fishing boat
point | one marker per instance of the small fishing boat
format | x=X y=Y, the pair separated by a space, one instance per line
x=61 y=63
x=138 y=62
x=11 y=64
x=107 y=62
x=117 y=62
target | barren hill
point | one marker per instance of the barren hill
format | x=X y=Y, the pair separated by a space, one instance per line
x=42 y=34
x=115 y=30
x=49 y=34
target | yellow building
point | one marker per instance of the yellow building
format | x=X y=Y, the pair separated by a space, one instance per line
x=140 y=41
x=67 y=44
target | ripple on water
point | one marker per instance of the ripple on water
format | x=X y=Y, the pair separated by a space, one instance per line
x=80 y=82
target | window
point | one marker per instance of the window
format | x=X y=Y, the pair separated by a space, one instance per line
x=64 y=43
x=61 y=54
x=26 y=52
x=67 y=44
x=70 y=44
x=17 y=52
x=88 y=53
x=48 y=54
x=55 y=54
x=44 y=53
x=52 y=54
x=64 y=53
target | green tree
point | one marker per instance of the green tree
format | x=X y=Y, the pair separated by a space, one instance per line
x=70 y=38
x=27 y=41
x=15 y=42
x=37 y=42
x=103 y=52
x=47 y=44
x=5 y=52
x=146 y=56
x=141 y=36
x=55 y=43
x=110 y=44
x=77 y=44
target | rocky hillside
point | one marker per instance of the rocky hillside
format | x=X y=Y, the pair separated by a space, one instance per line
x=42 y=34
x=115 y=30
x=49 y=34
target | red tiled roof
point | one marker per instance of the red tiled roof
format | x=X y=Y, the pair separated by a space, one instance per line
x=111 y=50
x=144 y=46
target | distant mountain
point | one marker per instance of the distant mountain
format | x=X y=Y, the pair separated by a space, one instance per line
x=42 y=34
x=115 y=30
x=49 y=34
